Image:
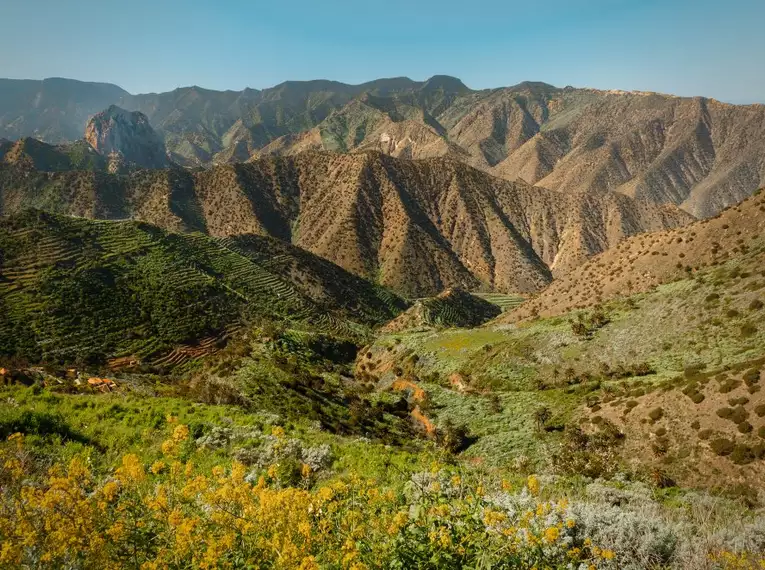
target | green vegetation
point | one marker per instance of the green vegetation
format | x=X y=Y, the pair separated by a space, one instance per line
x=83 y=292
x=503 y=301
x=236 y=363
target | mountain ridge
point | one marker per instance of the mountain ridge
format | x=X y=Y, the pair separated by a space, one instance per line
x=696 y=153
x=417 y=226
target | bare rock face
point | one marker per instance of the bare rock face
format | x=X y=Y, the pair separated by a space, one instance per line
x=127 y=139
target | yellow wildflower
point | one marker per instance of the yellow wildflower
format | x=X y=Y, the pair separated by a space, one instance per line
x=533 y=485
x=552 y=534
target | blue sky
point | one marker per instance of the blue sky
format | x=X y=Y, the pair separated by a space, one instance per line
x=699 y=47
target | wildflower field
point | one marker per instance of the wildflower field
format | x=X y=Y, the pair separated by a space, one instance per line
x=183 y=502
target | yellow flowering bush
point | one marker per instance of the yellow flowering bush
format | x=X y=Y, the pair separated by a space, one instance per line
x=168 y=514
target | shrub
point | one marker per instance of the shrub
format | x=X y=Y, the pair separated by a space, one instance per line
x=695 y=424
x=748 y=330
x=761 y=432
x=739 y=414
x=744 y=427
x=656 y=414
x=693 y=370
x=542 y=415
x=760 y=410
x=742 y=401
x=729 y=385
x=662 y=431
x=453 y=438
x=725 y=413
x=697 y=397
x=591 y=455
x=73 y=518
x=751 y=376
x=742 y=455
x=722 y=446
x=756 y=305
x=705 y=434
x=660 y=446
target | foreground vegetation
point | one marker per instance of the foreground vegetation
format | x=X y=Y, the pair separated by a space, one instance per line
x=627 y=435
x=234 y=490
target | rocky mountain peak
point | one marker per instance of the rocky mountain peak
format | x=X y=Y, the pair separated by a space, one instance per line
x=126 y=138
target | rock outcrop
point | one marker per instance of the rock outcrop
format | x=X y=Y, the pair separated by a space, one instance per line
x=127 y=139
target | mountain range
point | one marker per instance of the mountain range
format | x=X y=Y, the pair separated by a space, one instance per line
x=696 y=153
x=417 y=226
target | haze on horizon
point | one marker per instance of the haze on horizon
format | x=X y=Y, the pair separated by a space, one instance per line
x=682 y=47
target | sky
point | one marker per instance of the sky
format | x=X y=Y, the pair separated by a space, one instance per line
x=700 y=47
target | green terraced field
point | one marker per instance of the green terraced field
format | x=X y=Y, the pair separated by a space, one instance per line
x=504 y=301
x=80 y=291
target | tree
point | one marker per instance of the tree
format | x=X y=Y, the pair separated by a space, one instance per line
x=542 y=416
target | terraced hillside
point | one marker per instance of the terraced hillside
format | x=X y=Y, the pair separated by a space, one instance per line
x=504 y=302
x=74 y=290
x=452 y=308
x=418 y=227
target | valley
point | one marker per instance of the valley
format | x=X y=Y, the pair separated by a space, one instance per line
x=395 y=325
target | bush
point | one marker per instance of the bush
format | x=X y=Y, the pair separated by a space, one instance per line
x=695 y=424
x=591 y=455
x=728 y=385
x=722 y=446
x=756 y=305
x=748 y=330
x=751 y=376
x=745 y=427
x=705 y=433
x=453 y=438
x=656 y=414
x=742 y=401
x=231 y=520
x=739 y=414
x=725 y=413
x=660 y=446
x=760 y=410
x=541 y=416
x=697 y=397
x=742 y=455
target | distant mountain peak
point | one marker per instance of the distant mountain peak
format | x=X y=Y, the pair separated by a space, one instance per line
x=126 y=137
x=445 y=83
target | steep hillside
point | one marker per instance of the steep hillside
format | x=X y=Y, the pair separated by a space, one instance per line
x=73 y=290
x=452 y=308
x=30 y=153
x=664 y=382
x=696 y=153
x=642 y=262
x=416 y=226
